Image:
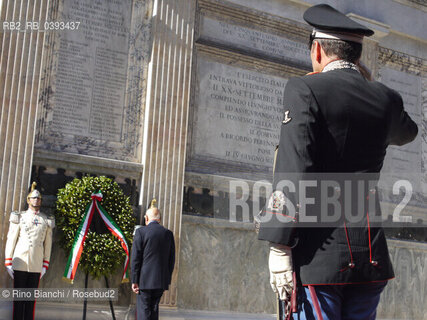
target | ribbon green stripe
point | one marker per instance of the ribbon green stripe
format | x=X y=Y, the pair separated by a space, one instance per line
x=81 y=231
x=78 y=238
x=120 y=234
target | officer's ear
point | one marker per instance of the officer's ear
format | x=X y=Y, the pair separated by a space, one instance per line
x=317 y=51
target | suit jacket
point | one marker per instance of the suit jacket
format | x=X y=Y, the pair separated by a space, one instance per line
x=29 y=241
x=153 y=257
x=335 y=122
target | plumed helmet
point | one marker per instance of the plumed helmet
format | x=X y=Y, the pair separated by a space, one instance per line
x=153 y=203
x=34 y=193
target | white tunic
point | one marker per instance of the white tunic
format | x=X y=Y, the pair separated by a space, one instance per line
x=29 y=241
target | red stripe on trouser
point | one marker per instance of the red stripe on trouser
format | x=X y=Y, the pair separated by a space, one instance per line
x=348 y=243
x=315 y=302
x=294 y=299
x=369 y=237
x=34 y=306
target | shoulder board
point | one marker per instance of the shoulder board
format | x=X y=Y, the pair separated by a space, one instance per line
x=15 y=216
x=51 y=221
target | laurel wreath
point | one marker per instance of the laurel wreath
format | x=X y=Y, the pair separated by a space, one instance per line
x=102 y=253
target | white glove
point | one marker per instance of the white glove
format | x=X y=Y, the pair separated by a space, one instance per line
x=43 y=272
x=280 y=265
x=10 y=271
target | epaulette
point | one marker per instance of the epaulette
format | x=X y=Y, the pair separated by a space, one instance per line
x=51 y=221
x=15 y=216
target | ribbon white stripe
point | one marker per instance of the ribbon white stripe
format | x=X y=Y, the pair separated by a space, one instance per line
x=79 y=241
x=117 y=233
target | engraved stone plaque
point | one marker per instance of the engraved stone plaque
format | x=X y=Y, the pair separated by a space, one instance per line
x=92 y=65
x=86 y=112
x=404 y=162
x=238 y=115
x=265 y=44
x=403 y=178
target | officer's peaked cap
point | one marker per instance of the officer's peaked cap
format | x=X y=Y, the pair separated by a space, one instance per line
x=329 y=21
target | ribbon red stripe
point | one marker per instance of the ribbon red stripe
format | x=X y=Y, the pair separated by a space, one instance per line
x=79 y=253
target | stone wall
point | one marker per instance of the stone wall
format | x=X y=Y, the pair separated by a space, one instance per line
x=225 y=267
x=405 y=296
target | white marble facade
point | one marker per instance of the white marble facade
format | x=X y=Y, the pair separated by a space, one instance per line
x=152 y=90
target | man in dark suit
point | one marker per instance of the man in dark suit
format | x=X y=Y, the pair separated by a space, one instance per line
x=152 y=262
x=335 y=121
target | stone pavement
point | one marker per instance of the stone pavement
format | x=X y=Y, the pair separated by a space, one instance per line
x=61 y=311
x=56 y=311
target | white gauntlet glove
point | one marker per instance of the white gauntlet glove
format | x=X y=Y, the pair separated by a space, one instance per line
x=10 y=271
x=280 y=265
x=44 y=269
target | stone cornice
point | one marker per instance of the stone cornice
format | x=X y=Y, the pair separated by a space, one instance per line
x=224 y=56
x=417 y=4
x=278 y=25
x=402 y=61
x=85 y=163
x=420 y=2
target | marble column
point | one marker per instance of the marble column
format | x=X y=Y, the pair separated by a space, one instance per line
x=20 y=64
x=166 y=116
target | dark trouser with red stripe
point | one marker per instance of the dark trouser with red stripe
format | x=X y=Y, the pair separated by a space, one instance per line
x=339 y=302
x=24 y=310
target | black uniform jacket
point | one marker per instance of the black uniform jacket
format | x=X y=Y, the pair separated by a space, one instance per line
x=153 y=257
x=336 y=127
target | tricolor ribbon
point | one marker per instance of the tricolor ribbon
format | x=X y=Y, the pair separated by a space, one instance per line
x=79 y=240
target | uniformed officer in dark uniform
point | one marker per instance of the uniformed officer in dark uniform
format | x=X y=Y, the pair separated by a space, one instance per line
x=335 y=121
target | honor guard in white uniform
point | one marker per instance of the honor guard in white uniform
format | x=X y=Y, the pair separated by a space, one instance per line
x=28 y=248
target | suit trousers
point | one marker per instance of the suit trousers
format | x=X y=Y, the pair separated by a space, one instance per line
x=148 y=304
x=340 y=302
x=25 y=310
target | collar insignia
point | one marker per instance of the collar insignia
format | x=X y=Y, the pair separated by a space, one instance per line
x=287 y=118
